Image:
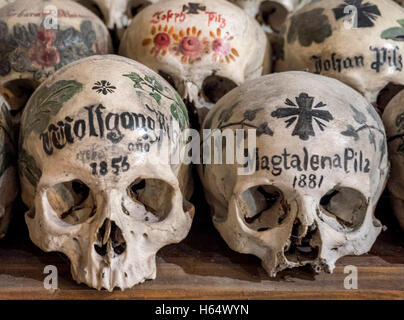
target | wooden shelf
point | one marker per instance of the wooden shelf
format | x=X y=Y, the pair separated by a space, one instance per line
x=203 y=267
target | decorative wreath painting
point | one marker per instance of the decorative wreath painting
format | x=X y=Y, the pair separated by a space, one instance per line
x=189 y=45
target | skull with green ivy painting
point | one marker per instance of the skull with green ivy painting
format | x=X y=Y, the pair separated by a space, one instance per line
x=358 y=42
x=101 y=169
x=39 y=37
x=316 y=173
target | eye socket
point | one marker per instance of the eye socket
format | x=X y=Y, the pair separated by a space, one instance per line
x=262 y=207
x=272 y=14
x=215 y=87
x=348 y=206
x=72 y=201
x=148 y=200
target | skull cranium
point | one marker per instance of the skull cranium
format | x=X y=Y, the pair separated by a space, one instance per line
x=320 y=168
x=93 y=172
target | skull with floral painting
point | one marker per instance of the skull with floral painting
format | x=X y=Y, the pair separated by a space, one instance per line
x=204 y=49
x=39 y=37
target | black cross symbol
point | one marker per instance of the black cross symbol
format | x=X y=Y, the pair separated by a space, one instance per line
x=193 y=8
x=304 y=114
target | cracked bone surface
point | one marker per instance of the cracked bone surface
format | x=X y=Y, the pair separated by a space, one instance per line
x=361 y=46
x=393 y=119
x=96 y=144
x=39 y=37
x=317 y=171
x=204 y=49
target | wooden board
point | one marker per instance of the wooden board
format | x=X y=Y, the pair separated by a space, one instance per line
x=203 y=267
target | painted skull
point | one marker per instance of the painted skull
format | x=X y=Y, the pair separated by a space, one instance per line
x=94 y=145
x=393 y=119
x=205 y=49
x=39 y=37
x=320 y=166
x=355 y=41
x=8 y=169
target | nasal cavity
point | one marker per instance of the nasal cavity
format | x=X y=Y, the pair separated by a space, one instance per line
x=110 y=237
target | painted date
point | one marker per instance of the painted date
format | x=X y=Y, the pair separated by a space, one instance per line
x=308 y=181
x=116 y=166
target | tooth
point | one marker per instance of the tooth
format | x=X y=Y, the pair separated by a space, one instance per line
x=107 y=231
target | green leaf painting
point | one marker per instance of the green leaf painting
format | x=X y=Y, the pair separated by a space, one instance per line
x=394 y=33
x=158 y=92
x=47 y=102
x=308 y=27
x=28 y=168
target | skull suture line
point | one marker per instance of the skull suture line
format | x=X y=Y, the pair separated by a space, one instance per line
x=393 y=119
x=321 y=165
x=92 y=170
x=39 y=37
x=365 y=54
x=205 y=48
x=8 y=170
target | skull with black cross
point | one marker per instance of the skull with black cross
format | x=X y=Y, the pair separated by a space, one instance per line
x=355 y=41
x=318 y=170
x=101 y=169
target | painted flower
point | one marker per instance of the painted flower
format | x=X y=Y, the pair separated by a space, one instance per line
x=222 y=48
x=190 y=46
x=44 y=57
x=160 y=40
x=46 y=36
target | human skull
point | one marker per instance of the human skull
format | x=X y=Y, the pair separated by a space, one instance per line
x=358 y=42
x=270 y=13
x=93 y=170
x=39 y=37
x=8 y=167
x=205 y=49
x=320 y=167
x=393 y=119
